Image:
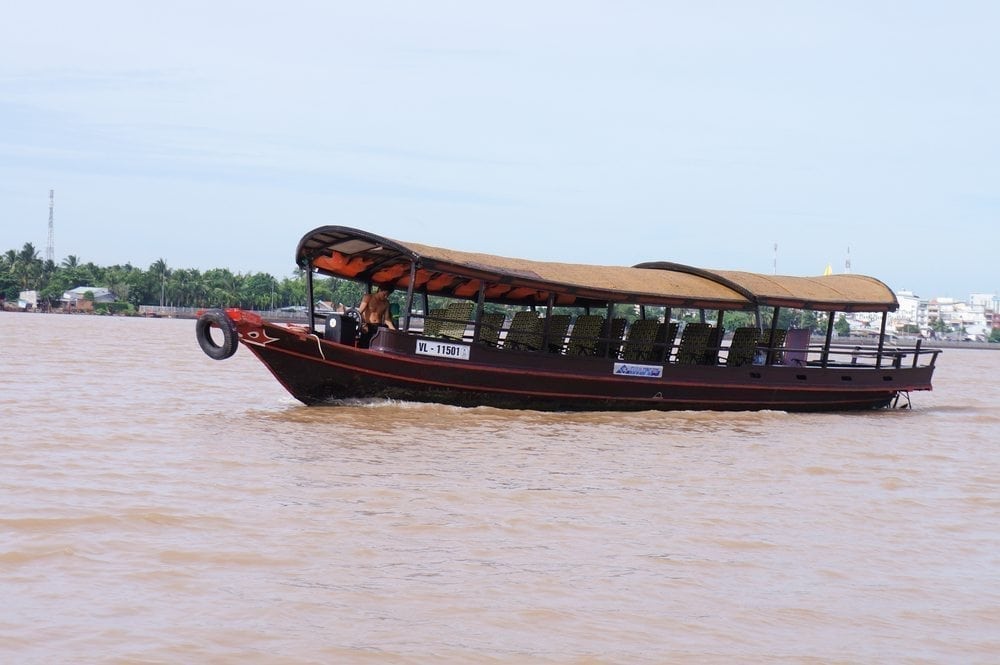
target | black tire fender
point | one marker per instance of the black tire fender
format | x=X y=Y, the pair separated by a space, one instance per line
x=216 y=318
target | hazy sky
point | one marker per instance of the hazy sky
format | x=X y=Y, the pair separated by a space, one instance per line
x=215 y=134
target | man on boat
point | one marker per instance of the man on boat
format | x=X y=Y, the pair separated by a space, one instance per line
x=374 y=309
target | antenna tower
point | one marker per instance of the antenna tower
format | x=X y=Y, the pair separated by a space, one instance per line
x=847 y=262
x=775 y=266
x=50 y=248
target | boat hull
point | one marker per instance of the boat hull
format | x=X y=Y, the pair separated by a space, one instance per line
x=317 y=371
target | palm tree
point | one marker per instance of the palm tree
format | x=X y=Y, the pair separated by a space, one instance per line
x=27 y=266
x=8 y=282
x=225 y=288
x=29 y=254
x=160 y=269
x=118 y=282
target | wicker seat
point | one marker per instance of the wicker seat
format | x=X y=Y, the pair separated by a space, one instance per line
x=663 y=345
x=743 y=346
x=456 y=320
x=765 y=344
x=558 y=327
x=641 y=337
x=433 y=322
x=489 y=329
x=525 y=332
x=693 y=347
x=583 y=338
x=710 y=356
x=612 y=347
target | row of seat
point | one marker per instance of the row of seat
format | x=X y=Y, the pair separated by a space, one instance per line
x=648 y=340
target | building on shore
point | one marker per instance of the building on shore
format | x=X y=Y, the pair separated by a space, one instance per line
x=27 y=300
x=76 y=299
x=941 y=317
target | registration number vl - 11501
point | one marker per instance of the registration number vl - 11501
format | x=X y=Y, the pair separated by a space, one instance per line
x=442 y=349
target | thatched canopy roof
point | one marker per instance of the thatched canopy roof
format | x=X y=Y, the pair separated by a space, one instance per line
x=354 y=254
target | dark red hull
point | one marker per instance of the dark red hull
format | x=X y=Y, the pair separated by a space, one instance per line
x=317 y=371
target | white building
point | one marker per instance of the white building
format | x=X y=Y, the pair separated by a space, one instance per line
x=912 y=311
x=27 y=300
x=74 y=296
x=989 y=301
x=966 y=315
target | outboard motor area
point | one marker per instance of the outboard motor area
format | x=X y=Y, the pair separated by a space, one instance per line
x=343 y=327
x=217 y=335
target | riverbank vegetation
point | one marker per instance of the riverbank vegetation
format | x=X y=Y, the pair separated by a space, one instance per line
x=160 y=284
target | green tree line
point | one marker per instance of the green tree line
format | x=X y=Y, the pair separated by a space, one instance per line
x=160 y=284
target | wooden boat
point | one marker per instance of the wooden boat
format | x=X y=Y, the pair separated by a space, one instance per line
x=481 y=330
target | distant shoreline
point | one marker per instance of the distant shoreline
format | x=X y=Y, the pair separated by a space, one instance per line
x=925 y=344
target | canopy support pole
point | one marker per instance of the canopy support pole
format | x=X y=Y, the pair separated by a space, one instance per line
x=881 y=341
x=409 y=296
x=309 y=296
x=829 y=338
x=477 y=320
x=719 y=333
x=668 y=344
x=550 y=301
x=607 y=331
x=774 y=329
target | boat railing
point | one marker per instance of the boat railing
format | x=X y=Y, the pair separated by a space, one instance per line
x=817 y=355
x=856 y=355
x=895 y=356
x=437 y=323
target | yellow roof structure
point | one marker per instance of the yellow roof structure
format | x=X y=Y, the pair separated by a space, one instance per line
x=355 y=254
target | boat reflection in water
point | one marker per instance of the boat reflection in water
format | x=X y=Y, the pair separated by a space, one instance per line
x=475 y=329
